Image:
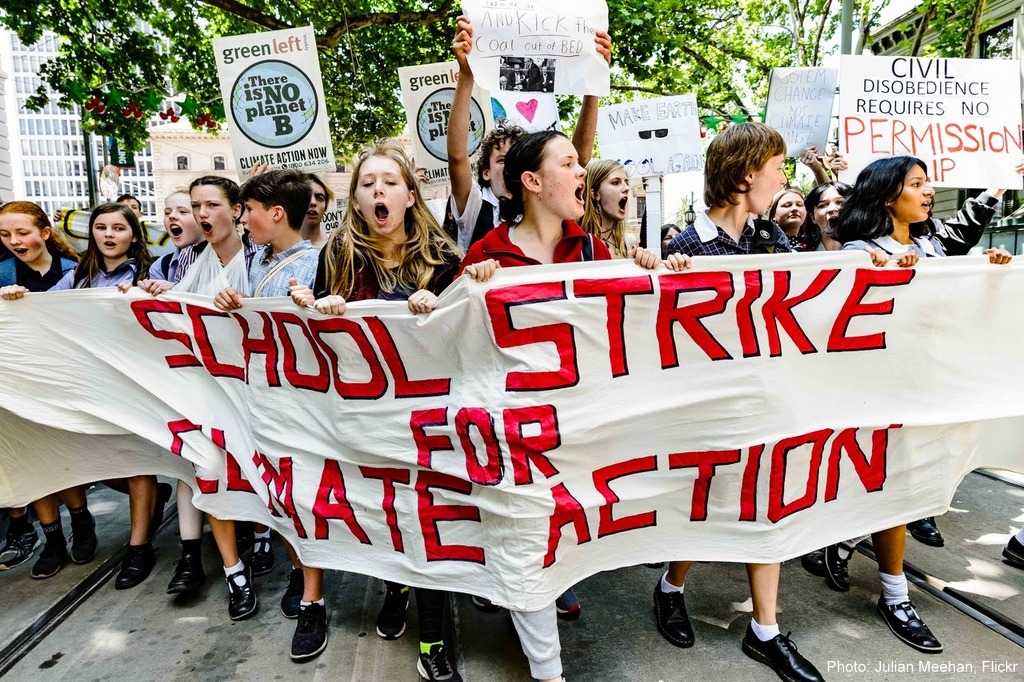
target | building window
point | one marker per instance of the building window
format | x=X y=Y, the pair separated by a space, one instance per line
x=997 y=43
x=182 y=162
x=218 y=163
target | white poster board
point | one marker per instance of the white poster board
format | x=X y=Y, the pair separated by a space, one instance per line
x=531 y=111
x=274 y=100
x=427 y=92
x=652 y=136
x=960 y=116
x=800 y=106
x=529 y=46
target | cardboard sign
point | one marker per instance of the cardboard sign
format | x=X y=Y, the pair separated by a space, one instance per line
x=530 y=46
x=428 y=91
x=274 y=100
x=652 y=136
x=800 y=106
x=531 y=111
x=960 y=116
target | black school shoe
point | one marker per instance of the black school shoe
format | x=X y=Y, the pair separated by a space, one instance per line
x=50 y=561
x=837 y=569
x=1013 y=553
x=262 y=561
x=436 y=667
x=241 y=596
x=83 y=537
x=136 y=566
x=671 y=619
x=189 y=575
x=780 y=654
x=814 y=562
x=926 y=531
x=912 y=631
x=310 y=638
x=292 y=598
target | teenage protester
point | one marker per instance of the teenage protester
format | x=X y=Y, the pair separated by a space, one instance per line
x=604 y=215
x=37 y=259
x=474 y=204
x=389 y=247
x=181 y=226
x=823 y=204
x=132 y=202
x=546 y=190
x=888 y=214
x=669 y=231
x=321 y=198
x=743 y=169
x=787 y=211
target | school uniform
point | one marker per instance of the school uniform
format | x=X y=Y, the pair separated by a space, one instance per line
x=270 y=273
x=13 y=271
x=704 y=238
x=499 y=244
x=924 y=247
x=125 y=272
x=478 y=217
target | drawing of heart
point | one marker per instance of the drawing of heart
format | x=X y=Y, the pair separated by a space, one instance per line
x=527 y=109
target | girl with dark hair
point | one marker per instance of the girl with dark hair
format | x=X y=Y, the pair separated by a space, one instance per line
x=823 y=204
x=116 y=253
x=888 y=214
x=546 y=187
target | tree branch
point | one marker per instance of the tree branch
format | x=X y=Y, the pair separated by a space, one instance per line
x=821 y=30
x=640 y=88
x=922 y=28
x=974 y=30
x=333 y=35
x=710 y=68
x=248 y=13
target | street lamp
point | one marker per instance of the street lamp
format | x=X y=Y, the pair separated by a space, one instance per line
x=690 y=217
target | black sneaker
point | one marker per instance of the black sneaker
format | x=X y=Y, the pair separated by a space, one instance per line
x=163 y=494
x=50 y=561
x=391 y=619
x=19 y=548
x=83 y=537
x=671 y=618
x=926 y=531
x=837 y=569
x=1013 y=553
x=241 y=597
x=909 y=628
x=485 y=605
x=293 y=594
x=780 y=655
x=136 y=566
x=310 y=637
x=814 y=563
x=189 y=575
x=436 y=666
x=262 y=561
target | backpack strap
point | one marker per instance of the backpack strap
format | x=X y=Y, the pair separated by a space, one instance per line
x=588 y=249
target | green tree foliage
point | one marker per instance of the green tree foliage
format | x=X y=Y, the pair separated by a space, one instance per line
x=133 y=54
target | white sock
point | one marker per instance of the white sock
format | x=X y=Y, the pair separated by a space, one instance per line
x=265 y=535
x=235 y=572
x=894 y=588
x=1020 y=536
x=304 y=604
x=666 y=586
x=764 y=633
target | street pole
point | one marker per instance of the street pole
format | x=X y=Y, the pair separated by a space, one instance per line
x=90 y=168
x=654 y=212
x=846 y=36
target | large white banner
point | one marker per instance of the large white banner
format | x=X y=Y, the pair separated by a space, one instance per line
x=656 y=136
x=427 y=92
x=274 y=99
x=553 y=423
x=529 y=46
x=962 y=117
x=800 y=106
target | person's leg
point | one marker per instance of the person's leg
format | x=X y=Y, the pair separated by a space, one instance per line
x=310 y=637
x=262 y=560
x=55 y=551
x=763 y=642
x=189 y=574
x=139 y=560
x=242 y=601
x=538 y=634
x=22 y=540
x=292 y=597
x=764 y=591
x=391 y=617
x=894 y=604
x=434 y=662
x=83 y=526
x=670 y=607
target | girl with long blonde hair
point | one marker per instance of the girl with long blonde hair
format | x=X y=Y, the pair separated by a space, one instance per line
x=604 y=211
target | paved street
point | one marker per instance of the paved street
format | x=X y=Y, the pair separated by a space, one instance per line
x=144 y=634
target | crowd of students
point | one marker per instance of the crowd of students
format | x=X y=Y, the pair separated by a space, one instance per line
x=534 y=199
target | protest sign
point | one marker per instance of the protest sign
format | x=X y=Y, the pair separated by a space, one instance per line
x=274 y=100
x=800 y=106
x=531 y=111
x=652 y=136
x=529 y=46
x=465 y=450
x=960 y=116
x=428 y=91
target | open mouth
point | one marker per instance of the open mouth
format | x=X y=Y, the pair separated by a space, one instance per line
x=20 y=251
x=622 y=203
x=110 y=245
x=312 y=214
x=381 y=213
x=175 y=230
x=207 y=228
x=580 y=193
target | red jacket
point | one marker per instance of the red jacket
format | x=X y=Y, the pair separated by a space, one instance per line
x=569 y=249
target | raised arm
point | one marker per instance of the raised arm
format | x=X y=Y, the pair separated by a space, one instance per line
x=460 y=170
x=586 y=127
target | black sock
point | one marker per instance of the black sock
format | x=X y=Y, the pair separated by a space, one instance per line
x=54 y=533
x=192 y=546
x=19 y=525
x=78 y=511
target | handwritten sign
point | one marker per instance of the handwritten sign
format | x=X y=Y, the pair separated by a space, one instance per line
x=428 y=91
x=531 y=111
x=274 y=98
x=530 y=46
x=960 y=116
x=800 y=106
x=657 y=136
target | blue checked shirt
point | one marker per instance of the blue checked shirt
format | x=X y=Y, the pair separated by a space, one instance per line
x=704 y=238
x=302 y=269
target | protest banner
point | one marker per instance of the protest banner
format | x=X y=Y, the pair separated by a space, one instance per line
x=800 y=106
x=961 y=117
x=530 y=111
x=510 y=443
x=527 y=46
x=428 y=91
x=274 y=100
x=652 y=136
